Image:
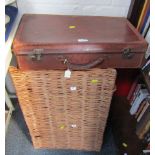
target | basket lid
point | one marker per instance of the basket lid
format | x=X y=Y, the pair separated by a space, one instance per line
x=76 y=33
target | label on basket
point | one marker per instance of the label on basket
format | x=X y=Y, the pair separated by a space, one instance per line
x=73 y=126
x=73 y=88
x=67 y=73
x=94 y=81
x=62 y=126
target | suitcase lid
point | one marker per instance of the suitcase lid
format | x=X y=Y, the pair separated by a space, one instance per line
x=68 y=34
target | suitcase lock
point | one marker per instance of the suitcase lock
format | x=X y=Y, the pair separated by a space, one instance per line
x=36 y=54
x=127 y=53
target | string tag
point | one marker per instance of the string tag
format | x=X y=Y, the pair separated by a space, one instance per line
x=67 y=73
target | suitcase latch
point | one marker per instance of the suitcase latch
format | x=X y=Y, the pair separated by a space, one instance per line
x=127 y=53
x=36 y=54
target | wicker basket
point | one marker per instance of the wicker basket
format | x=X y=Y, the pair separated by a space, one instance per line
x=65 y=113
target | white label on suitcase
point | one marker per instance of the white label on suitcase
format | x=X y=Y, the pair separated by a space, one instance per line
x=82 y=40
x=67 y=73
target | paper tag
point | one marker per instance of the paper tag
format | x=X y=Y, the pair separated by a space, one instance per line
x=73 y=88
x=94 y=81
x=73 y=126
x=82 y=40
x=124 y=144
x=67 y=73
x=72 y=27
x=62 y=126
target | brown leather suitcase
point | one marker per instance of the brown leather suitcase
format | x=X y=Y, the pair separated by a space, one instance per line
x=77 y=42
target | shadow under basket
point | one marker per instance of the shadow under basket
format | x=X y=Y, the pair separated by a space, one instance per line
x=65 y=113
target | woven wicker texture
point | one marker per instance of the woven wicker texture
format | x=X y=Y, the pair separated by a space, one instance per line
x=65 y=113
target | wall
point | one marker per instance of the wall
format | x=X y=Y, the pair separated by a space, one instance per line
x=76 y=7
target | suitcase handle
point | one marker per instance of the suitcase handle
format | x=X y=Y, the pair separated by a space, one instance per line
x=83 y=66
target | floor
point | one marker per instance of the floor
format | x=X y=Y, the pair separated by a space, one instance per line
x=18 y=140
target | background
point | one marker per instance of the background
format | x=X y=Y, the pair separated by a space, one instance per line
x=76 y=7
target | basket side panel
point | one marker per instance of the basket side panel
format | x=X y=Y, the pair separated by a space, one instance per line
x=65 y=113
